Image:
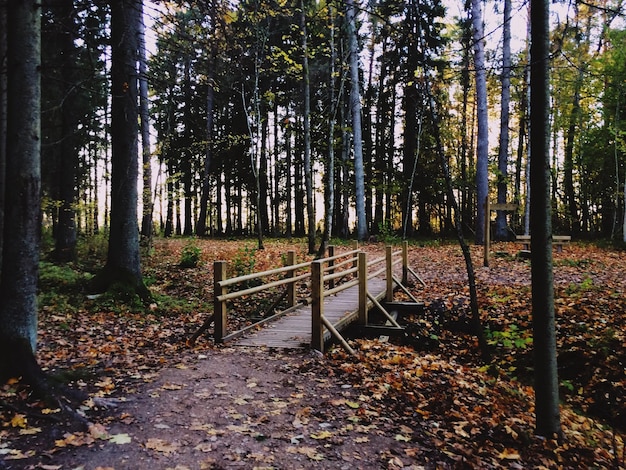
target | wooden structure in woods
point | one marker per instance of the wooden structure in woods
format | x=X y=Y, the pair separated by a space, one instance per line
x=343 y=288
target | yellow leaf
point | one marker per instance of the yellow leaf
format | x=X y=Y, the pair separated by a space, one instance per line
x=353 y=404
x=18 y=421
x=402 y=438
x=322 y=435
x=28 y=431
x=509 y=454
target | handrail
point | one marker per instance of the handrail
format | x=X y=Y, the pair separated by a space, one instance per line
x=255 y=289
x=252 y=276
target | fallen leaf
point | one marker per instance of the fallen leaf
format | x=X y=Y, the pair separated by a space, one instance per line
x=122 y=438
x=509 y=454
x=161 y=445
x=29 y=431
x=18 y=421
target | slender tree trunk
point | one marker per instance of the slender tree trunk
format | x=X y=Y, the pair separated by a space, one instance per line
x=544 y=331
x=146 y=153
x=20 y=260
x=3 y=117
x=308 y=168
x=466 y=120
x=503 y=152
x=329 y=183
x=186 y=157
x=482 y=141
x=288 y=182
x=201 y=228
x=355 y=105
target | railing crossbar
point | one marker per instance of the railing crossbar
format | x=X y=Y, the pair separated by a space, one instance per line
x=342 y=287
x=338 y=265
x=250 y=277
x=330 y=277
x=253 y=290
x=341 y=255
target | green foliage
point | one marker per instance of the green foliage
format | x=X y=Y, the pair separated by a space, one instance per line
x=61 y=286
x=387 y=234
x=93 y=247
x=244 y=261
x=190 y=255
x=511 y=337
x=580 y=287
x=573 y=262
x=52 y=275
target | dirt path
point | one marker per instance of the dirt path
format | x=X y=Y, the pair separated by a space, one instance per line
x=241 y=408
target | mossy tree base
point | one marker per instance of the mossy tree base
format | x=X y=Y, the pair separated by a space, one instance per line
x=123 y=280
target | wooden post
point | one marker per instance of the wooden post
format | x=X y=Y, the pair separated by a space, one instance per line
x=291 y=287
x=331 y=265
x=317 y=305
x=219 y=307
x=389 y=272
x=362 y=265
x=487 y=232
x=405 y=263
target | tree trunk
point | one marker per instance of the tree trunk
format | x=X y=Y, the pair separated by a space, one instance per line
x=482 y=140
x=355 y=105
x=20 y=260
x=146 y=153
x=329 y=181
x=3 y=118
x=544 y=331
x=503 y=152
x=123 y=261
x=186 y=157
x=201 y=228
x=308 y=166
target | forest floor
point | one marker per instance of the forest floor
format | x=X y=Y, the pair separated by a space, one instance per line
x=430 y=402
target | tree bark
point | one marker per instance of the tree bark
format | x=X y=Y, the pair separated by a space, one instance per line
x=355 y=105
x=123 y=259
x=544 y=331
x=146 y=153
x=3 y=117
x=20 y=260
x=482 y=140
x=308 y=166
x=329 y=181
x=503 y=151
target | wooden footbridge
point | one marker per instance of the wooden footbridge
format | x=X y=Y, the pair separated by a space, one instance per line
x=322 y=297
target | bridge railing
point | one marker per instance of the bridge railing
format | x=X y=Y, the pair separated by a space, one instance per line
x=327 y=276
x=365 y=270
x=228 y=289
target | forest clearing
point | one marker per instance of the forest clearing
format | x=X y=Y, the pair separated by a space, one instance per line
x=153 y=402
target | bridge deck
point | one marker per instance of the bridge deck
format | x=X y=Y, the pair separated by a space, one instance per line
x=293 y=330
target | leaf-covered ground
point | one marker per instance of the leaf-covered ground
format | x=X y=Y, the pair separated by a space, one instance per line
x=426 y=402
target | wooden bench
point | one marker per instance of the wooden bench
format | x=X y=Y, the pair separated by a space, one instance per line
x=557 y=240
